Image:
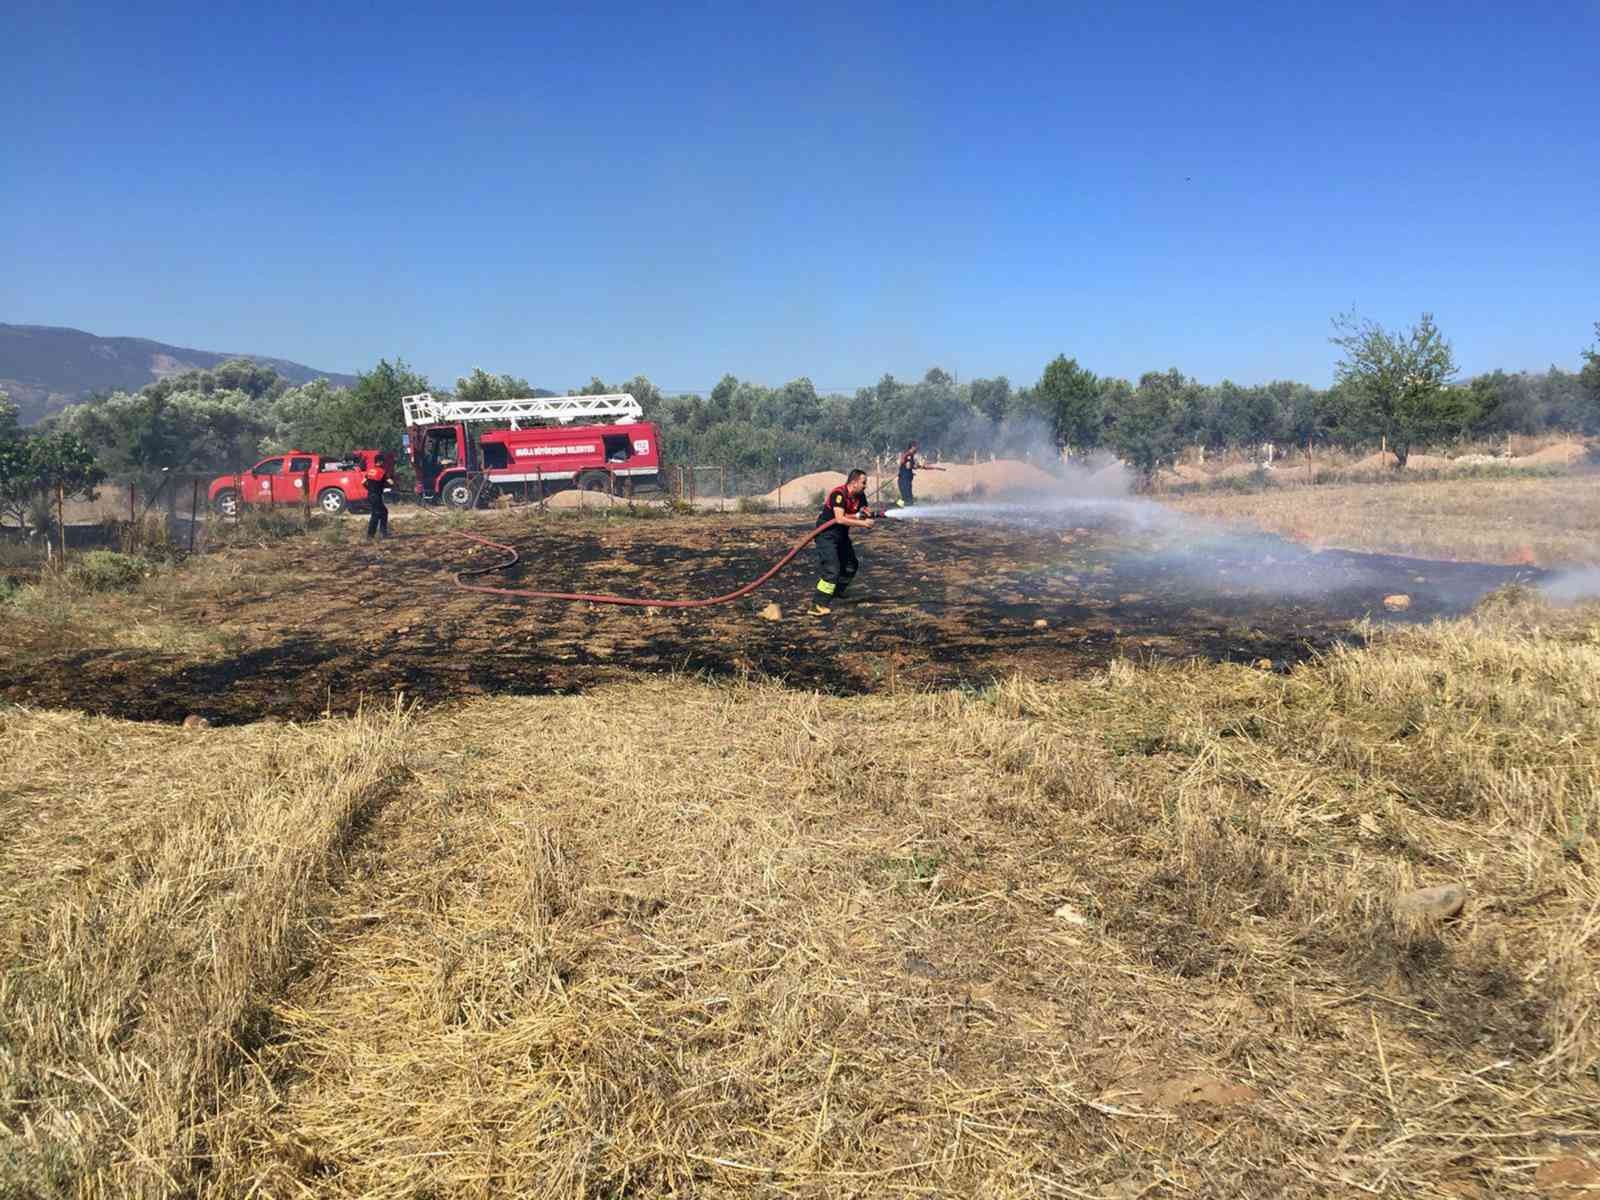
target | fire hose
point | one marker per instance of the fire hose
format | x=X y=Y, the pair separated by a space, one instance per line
x=631 y=601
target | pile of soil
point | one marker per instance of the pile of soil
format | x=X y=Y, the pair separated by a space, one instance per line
x=798 y=492
x=1562 y=454
x=1238 y=471
x=1002 y=477
x=573 y=498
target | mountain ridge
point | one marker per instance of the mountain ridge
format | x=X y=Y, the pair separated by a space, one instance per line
x=44 y=368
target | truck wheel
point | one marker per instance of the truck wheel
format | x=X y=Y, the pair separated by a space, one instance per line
x=594 y=481
x=458 y=493
x=226 y=502
x=332 y=501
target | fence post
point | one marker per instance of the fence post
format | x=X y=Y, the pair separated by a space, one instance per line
x=131 y=488
x=722 y=489
x=194 y=512
x=305 y=486
x=780 y=485
x=61 y=519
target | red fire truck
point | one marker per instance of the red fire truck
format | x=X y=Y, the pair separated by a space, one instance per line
x=333 y=484
x=543 y=450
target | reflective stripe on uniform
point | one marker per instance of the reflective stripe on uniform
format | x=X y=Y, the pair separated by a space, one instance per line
x=825 y=587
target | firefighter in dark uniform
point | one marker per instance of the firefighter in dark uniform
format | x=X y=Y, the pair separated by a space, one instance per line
x=908 y=466
x=847 y=506
x=377 y=480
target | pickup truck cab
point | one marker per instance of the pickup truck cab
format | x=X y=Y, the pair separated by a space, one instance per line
x=334 y=484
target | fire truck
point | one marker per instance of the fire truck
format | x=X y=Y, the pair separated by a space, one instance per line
x=543 y=450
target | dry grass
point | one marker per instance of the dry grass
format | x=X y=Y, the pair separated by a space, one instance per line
x=153 y=898
x=36 y=616
x=1544 y=521
x=1123 y=937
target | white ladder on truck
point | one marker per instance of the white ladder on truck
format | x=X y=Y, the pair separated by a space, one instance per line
x=426 y=409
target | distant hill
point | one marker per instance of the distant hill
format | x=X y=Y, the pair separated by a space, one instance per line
x=44 y=368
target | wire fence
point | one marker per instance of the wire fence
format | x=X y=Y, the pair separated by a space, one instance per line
x=183 y=513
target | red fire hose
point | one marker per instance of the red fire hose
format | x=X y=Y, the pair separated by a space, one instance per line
x=632 y=601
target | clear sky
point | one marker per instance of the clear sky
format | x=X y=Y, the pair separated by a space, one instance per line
x=786 y=189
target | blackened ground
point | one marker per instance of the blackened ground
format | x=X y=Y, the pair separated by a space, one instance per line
x=328 y=627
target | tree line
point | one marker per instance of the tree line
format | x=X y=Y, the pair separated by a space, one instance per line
x=1400 y=386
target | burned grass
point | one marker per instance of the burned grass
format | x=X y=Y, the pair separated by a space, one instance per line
x=1134 y=933
x=304 y=627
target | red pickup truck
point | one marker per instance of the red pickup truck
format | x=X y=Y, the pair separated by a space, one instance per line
x=334 y=484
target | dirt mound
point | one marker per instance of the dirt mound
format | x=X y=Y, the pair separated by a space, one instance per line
x=573 y=498
x=1562 y=454
x=1384 y=460
x=1238 y=471
x=1005 y=476
x=799 y=492
x=1001 y=477
x=1379 y=461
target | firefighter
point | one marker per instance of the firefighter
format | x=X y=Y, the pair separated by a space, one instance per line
x=378 y=481
x=846 y=505
x=908 y=466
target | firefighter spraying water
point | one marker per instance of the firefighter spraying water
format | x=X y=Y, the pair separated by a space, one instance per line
x=844 y=508
x=910 y=464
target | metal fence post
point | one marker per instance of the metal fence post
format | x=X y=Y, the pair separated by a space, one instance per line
x=194 y=512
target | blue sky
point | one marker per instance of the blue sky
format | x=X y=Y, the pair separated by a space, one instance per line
x=778 y=190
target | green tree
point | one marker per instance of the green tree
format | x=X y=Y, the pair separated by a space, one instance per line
x=236 y=375
x=149 y=437
x=368 y=416
x=1397 y=382
x=991 y=397
x=481 y=385
x=1145 y=429
x=1068 y=397
x=37 y=469
x=1589 y=381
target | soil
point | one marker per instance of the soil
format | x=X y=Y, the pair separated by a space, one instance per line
x=937 y=604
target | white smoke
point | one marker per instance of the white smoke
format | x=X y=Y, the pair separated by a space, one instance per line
x=1569 y=587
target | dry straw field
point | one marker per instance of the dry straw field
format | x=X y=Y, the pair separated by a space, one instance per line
x=1537 y=520
x=1135 y=935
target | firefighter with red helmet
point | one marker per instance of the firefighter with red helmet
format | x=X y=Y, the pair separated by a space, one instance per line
x=846 y=507
x=377 y=480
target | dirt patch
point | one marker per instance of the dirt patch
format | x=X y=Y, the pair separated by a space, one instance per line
x=1562 y=454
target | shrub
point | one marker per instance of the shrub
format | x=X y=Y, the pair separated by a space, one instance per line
x=753 y=504
x=108 y=571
